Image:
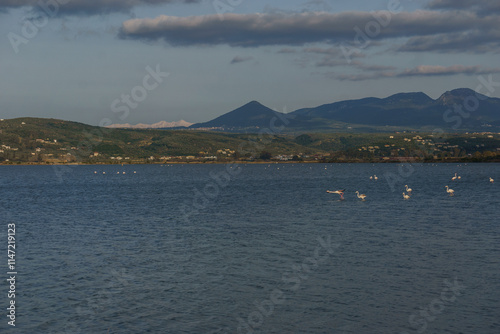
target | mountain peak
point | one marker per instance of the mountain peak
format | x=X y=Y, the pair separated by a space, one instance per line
x=462 y=92
x=252 y=114
x=457 y=96
x=253 y=104
x=413 y=97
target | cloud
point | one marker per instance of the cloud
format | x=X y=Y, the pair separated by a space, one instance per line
x=240 y=59
x=332 y=52
x=84 y=7
x=327 y=62
x=482 y=6
x=474 y=41
x=251 y=30
x=254 y=30
x=429 y=70
x=419 y=71
x=374 y=68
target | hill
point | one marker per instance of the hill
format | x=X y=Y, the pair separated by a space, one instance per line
x=52 y=140
x=38 y=140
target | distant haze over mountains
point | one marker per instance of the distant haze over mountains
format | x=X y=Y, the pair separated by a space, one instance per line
x=460 y=110
x=159 y=125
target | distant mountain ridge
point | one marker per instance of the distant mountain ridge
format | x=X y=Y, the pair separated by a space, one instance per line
x=458 y=109
x=159 y=125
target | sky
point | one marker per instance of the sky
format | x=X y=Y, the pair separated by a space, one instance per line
x=145 y=61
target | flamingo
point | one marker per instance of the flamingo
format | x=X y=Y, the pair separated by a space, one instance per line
x=375 y=177
x=454 y=178
x=450 y=191
x=408 y=190
x=405 y=196
x=491 y=180
x=362 y=196
x=371 y=177
x=340 y=192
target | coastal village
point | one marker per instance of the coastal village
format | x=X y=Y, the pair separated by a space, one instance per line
x=395 y=147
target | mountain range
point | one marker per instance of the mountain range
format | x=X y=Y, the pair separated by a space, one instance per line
x=159 y=125
x=459 y=110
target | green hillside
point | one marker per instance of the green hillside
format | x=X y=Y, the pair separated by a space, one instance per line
x=37 y=140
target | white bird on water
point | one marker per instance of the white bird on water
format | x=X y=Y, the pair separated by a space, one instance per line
x=375 y=177
x=362 y=196
x=408 y=190
x=405 y=196
x=491 y=180
x=454 y=178
x=450 y=191
x=340 y=192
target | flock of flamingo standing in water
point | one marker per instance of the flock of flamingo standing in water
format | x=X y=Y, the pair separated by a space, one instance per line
x=406 y=195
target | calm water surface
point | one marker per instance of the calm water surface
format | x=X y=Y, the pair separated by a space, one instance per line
x=253 y=249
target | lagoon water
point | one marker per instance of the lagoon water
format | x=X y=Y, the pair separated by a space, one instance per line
x=264 y=249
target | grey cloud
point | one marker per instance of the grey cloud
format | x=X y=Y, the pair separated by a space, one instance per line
x=473 y=41
x=319 y=56
x=335 y=52
x=83 y=7
x=480 y=6
x=359 y=77
x=419 y=71
x=330 y=62
x=374 y=68
x=240 y=59
x=253 y=30
x=429 y=70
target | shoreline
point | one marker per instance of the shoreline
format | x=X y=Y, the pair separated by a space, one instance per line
x=405 y=160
